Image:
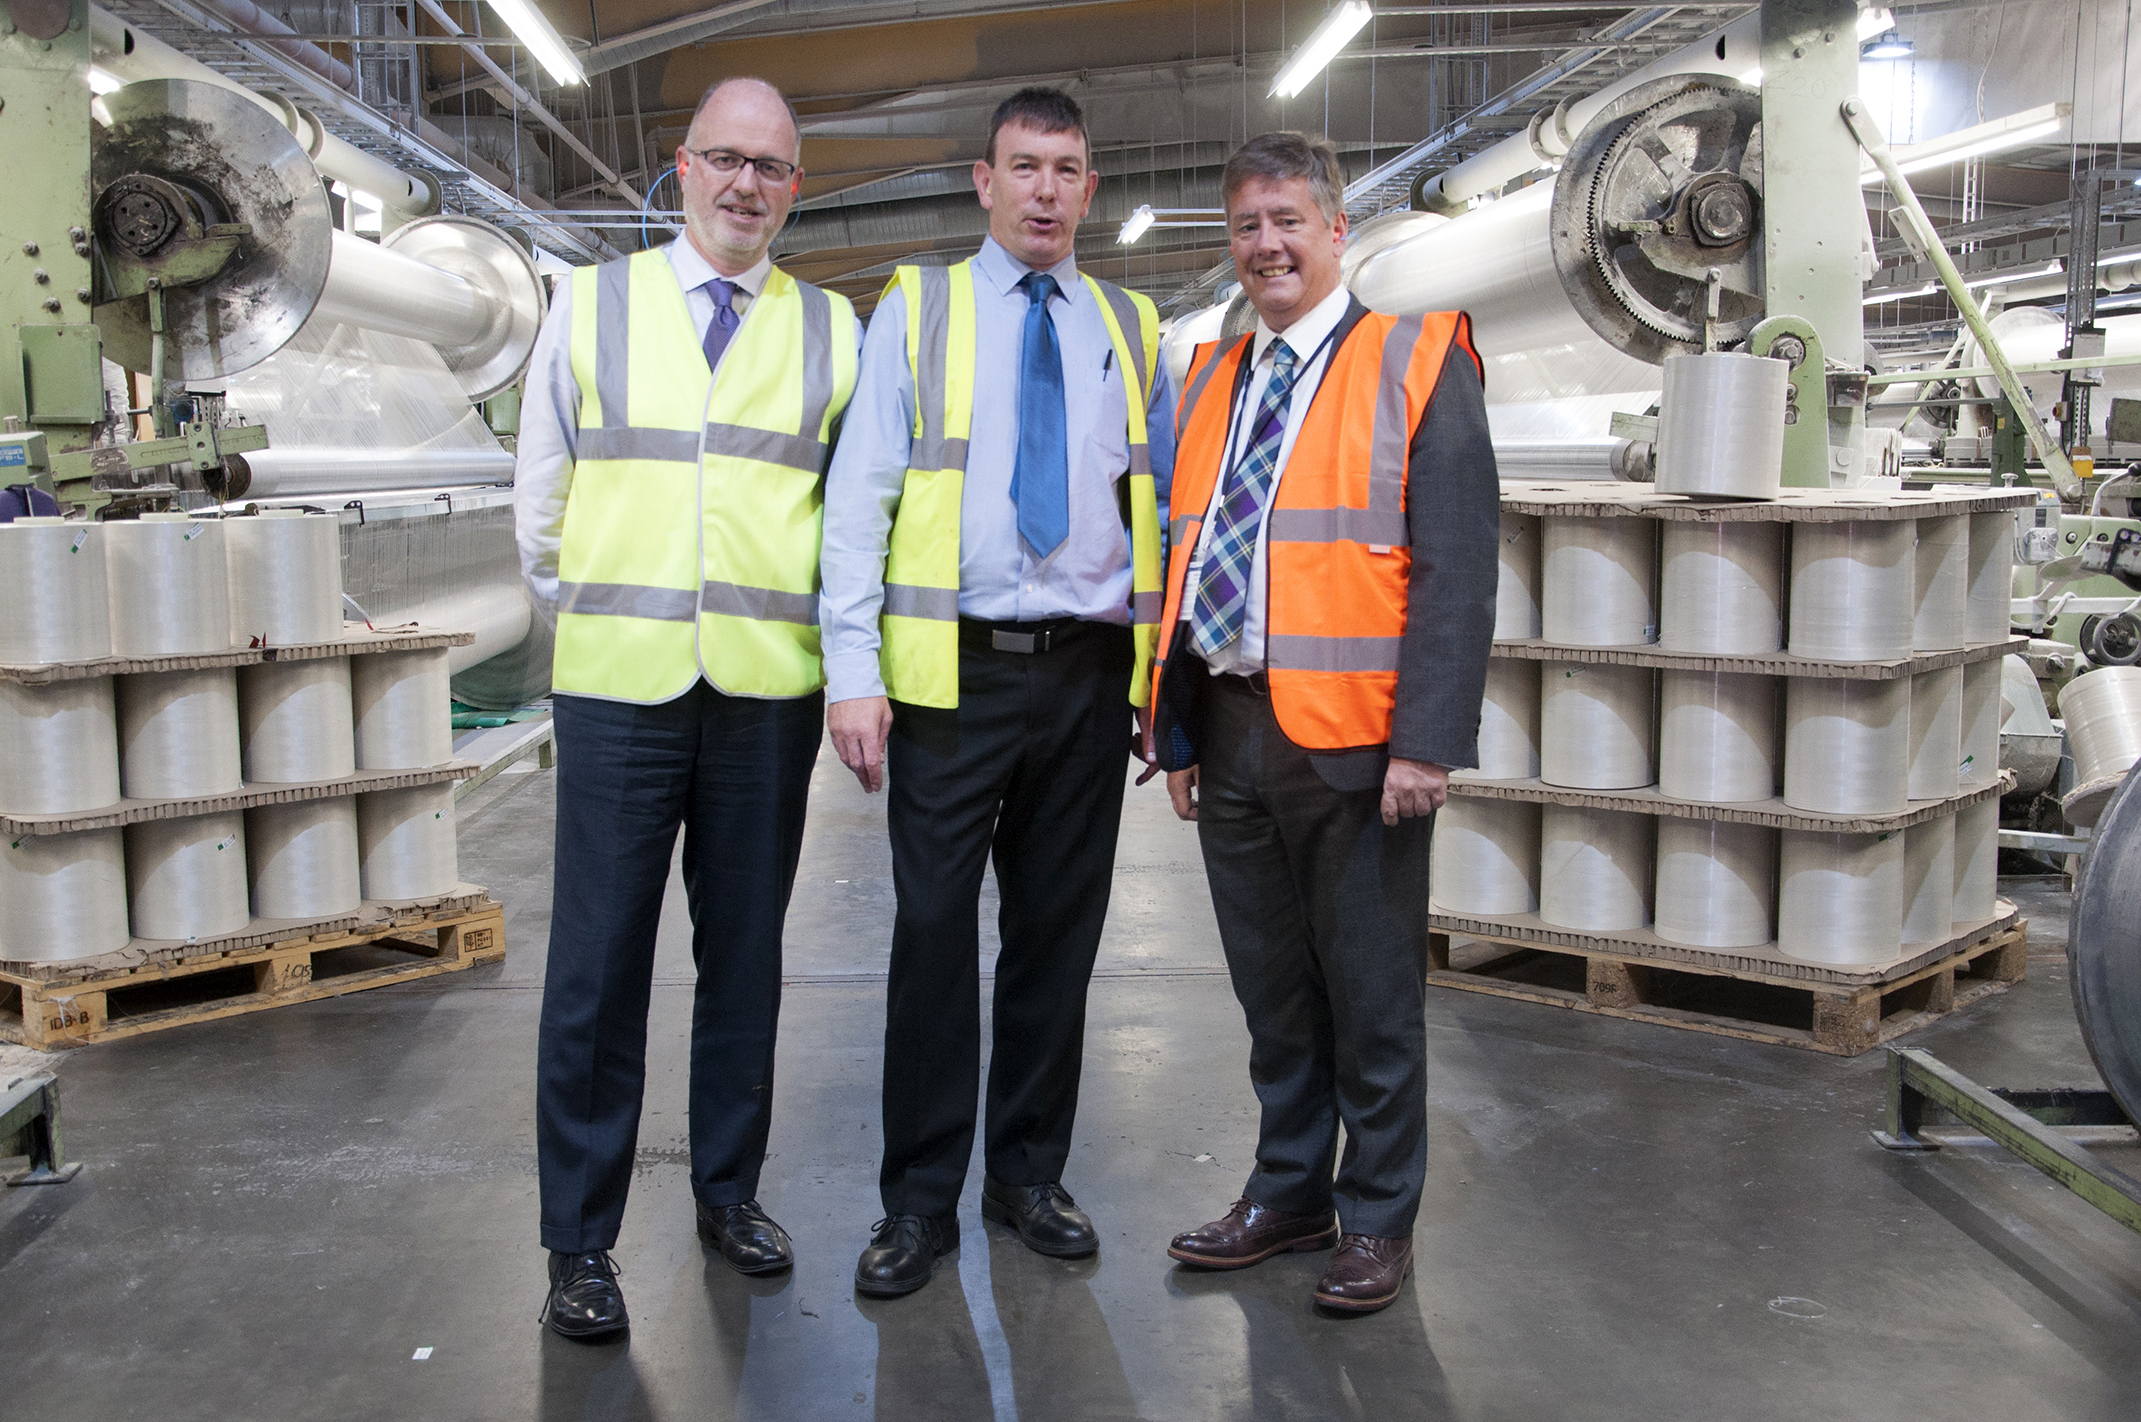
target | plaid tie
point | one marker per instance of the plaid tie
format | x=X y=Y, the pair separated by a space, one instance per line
x=1223 y=582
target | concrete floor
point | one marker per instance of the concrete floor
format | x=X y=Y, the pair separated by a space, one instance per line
x=1623 y=1221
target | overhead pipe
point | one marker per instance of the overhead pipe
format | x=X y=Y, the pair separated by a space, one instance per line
x=253 y=20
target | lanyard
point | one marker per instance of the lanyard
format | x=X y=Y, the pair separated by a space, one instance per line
x=1240 y=406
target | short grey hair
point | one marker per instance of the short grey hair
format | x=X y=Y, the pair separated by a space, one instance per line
x=795 y=120
x=1284 y=155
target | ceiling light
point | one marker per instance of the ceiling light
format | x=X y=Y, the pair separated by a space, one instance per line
x=1887 y=296
x=1140 y=222
x=103 y=83
x=1340 y=25
x=2014 y=131
x=531 y=29
x=1887 y=46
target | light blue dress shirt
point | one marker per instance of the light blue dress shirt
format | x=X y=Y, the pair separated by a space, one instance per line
x=1000 y=580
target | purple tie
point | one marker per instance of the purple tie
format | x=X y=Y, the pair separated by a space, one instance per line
x=724 y=323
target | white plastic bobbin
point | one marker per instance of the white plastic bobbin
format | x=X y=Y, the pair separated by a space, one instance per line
x=1989 y=607
x=2103 y=715
x=1595 y=868
x=405 y=843
x=1977 y=861
x=186 y=878
x=294 y=721
x=1717 y=736
x=178 y=734
x=1840 y=897
x=1937 y=733
x=1929 y=881
x=1717 y=883
x=62 y=896
x=1847 y=745
x=1599 y=584
x=1940 y=575
x=1516 y=592
x=1509 y=721
x=403 y=710
x=59 y=747
x=285 y=577
x=52 y=583
x=1485 y=857
x=1980 y=764
x=1596 y=727
x=1853 y=590
x=168 y=580
x=301 y=858
x=1721 y=591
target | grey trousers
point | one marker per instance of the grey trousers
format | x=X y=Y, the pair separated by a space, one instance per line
x=1323 y=915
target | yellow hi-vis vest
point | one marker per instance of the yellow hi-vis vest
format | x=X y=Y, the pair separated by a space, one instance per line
x=920 y=655
x=692 y=525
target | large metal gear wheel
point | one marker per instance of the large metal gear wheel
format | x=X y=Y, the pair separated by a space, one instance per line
x=1663 y=189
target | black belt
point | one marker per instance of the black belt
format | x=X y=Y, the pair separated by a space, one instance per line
x=1026 y=638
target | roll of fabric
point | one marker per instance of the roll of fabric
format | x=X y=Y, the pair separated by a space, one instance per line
x=1937 y=733
x=1853 y=590
x=1721 y=425
x=1596 y=727
x=1929 y=881
x=52 y=583
x=1940 y=575
x=1485 y=857
x=1980 y=764
x=1977 y=861
x=1599 y=583
x=1847 y=745
x=2103 y=715
x=1722 y=588
x=404 y=720
x=285 y=577
x=186 y=878
x=301 y=859
x=178 y=734
x=1594 y=868
x=1717 y=736
x=62 y=896
x=1840 y=897
x=169 y=583
x=59 y=747
x=405 y=843
x=295 y=723
x=1516 y=592
x=1989 y=607
x=1717 y=883
x=1509 y=721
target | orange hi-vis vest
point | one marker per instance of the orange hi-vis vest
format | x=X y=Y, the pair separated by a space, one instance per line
x=1338 y=548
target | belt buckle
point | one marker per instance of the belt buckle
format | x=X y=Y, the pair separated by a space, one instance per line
x=1024 y=642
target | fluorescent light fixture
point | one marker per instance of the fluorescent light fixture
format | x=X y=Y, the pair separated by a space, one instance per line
x=1887 y=46
x=103 y=83
x=531 y=29
x=1888 y=296
x=2014 y=131
x=1874 y=20
x=1998 y=279
x=1140 y=222
x=1339 y=26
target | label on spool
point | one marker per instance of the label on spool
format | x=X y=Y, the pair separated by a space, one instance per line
x=195 y=532
x=79 y=539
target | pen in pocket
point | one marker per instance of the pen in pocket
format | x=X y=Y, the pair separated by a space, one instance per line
x=1107 y=362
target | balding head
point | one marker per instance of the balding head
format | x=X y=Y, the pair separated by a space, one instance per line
x=746 y=99
x=732 y=216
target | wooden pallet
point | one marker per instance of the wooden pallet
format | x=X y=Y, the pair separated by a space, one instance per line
x=389 y=945
x=1757 y=1007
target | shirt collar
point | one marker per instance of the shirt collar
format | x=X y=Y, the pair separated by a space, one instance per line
x=694 y=271
x=1307 y=333
x=1004 y=271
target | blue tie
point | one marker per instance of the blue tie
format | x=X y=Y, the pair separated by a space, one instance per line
x=725 y=320
x=1040 y=480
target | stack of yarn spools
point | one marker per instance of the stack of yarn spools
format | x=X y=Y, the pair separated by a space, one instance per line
x=87 y=738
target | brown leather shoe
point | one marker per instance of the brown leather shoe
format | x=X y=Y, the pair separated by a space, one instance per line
x=1250 y=1234
x=1366 y=1273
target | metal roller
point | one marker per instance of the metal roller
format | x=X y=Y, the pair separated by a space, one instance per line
x=2104 y=946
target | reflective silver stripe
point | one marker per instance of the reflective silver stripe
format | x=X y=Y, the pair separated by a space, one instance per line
x=1333 y=654
x=613 y=341
x=759 y=604
x=933 y=450
x=1387 y=455
x=817 y=367
x=1202 y=378
x=935 y=604
x=1141 y=459
x=1382 y=527
x=628 y=600
x=630 y=442
x=1185 y=528
x=1133 y=334
x=766 y=446
x=1145 y=607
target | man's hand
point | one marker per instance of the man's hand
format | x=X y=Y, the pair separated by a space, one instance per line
x=1410 y=788
x=859 y=729
x=1182 y=789
x=1141 y=746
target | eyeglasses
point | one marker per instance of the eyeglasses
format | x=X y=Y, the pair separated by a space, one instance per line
x=723 y=160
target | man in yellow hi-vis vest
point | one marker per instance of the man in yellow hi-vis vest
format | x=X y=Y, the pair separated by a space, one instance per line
x=681 y=406
x=992 y=594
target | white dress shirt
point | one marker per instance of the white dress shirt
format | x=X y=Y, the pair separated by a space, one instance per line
x=1305 y=338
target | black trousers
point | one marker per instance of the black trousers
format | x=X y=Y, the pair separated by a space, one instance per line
x=735 y=773
x=1030 y=769
x=1323 y=916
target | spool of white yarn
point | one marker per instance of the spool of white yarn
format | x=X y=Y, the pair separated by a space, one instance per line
x=59 y=747
x=1840 y=897
x=1988 y=610
x=52 y=585
x=1721 y=425
x=405 y=842
x=285 y=577
x=1516 y=591
x=185 y=878
x=169 y=585
x=1595 y=727
x=1977 y=861
x=1980 y=764
x=1717 y=736
x=1937 y=733
x=1717 y=883
x=1929 y=881
x=62 y=896
x=1853 y=590
x=404 y=720
x=1594 y=868
x=295 y=721
x=1722 y=589
x=301 y=859
x=1485 y=857
x=1847 y=745
x=1599 y=583
x=1940 y=574
x=178 y=734
x=1509 y=721
x=2103 y=715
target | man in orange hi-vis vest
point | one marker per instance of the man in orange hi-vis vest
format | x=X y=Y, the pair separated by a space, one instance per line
x=1330 y=604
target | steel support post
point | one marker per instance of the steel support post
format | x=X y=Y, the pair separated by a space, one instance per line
x=2084 y=214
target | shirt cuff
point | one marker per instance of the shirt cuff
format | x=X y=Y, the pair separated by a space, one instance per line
x=849 y=675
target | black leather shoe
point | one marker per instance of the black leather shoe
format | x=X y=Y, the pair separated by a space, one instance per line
x=903 y=1254
x=585 y=1302
x=1045 y=1216
x=750 y=1241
